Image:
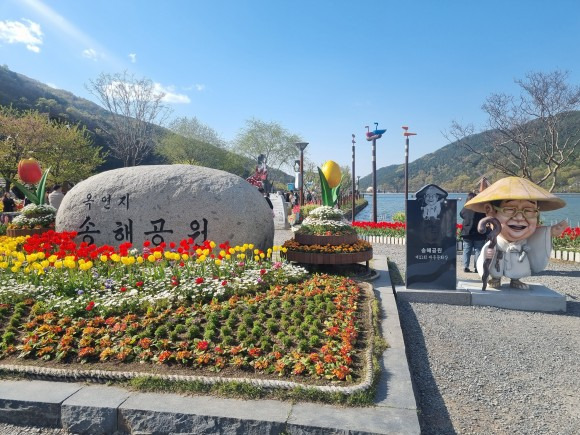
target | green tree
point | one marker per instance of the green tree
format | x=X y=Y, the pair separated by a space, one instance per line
x=271 y=140
x=67 y=149
x=193 y=128
x=177 y=149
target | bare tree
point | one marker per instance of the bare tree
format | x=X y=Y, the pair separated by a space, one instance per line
x=532 y=135
x=135 y=105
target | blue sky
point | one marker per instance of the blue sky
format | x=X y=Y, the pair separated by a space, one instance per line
x=322 y=69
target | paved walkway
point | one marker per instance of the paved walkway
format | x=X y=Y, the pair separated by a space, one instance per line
x=82 y=408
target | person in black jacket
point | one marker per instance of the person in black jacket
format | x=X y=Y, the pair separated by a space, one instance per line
x=473 y=241
x=8 y=203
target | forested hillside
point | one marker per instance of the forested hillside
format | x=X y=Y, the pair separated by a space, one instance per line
x=457 y=170
x=24 y=93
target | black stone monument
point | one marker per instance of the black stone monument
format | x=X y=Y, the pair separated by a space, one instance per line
x=431 y=240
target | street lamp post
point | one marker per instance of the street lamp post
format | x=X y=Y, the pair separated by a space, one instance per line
x=301 y=146
x=407 y=134
x=353 y=167
x=373 y=136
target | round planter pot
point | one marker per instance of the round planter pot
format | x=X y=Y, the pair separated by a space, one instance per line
x=321 y=258
x=19 y=232
x=310 y=239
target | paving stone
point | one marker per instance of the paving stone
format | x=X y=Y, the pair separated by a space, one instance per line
x=93 y=409
x=147 y=412
x=307 y=418
x=36 y=403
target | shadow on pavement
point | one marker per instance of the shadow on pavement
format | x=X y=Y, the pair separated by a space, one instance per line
x=433 y=415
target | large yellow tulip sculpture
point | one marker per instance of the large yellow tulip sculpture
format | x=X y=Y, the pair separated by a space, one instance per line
x=330 y=180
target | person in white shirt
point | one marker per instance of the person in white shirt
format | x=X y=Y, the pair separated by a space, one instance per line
x=56 y=196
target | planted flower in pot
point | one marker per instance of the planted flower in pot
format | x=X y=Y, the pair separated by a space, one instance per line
x=36 y=217
x=326 y=225
x=33 y=219
x=326 y=237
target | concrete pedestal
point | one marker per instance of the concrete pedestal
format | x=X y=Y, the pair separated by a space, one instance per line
x=537 y=298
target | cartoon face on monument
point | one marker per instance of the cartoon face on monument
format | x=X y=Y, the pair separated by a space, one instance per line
x=518 y=218
x=431 y=197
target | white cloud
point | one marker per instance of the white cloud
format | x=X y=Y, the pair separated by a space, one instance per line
x=22 y=32
x=170 y=95
x=198 y=87
x=133 y=57
x=91 y=53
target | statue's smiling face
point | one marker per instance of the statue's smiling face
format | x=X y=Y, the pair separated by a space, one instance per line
x=518 y=226
x=430 y=198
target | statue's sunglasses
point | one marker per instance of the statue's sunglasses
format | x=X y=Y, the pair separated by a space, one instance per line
x=513 y=211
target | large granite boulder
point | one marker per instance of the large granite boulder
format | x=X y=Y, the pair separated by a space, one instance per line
x=166 y=203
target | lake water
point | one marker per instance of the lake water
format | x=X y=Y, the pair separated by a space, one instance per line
x=390 y=203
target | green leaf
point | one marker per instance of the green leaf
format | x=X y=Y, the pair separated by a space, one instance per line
x=41 y=189
x=326 y=191
x=28 y=193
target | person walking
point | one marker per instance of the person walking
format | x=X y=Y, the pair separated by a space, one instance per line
x=473 y=241
x=56 y=196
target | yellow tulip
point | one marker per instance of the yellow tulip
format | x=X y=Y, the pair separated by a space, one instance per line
x=212 y=244
x=103 y=258
x=331 y=172
x=140 y=260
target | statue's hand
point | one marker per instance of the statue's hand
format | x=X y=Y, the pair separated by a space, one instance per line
x=558 y=229
x=489 y=253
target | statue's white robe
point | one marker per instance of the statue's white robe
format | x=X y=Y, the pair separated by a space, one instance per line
x=519 y=259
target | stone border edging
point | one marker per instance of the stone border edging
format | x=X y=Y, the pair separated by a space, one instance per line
x=105 y=375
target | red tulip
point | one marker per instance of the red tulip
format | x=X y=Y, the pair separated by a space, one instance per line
x=29 y=171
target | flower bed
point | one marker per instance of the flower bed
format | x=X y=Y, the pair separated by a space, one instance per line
x=568 y=241
x=325 y=258
x=332 y=239
x=387 y=229
x=208 y=307
x=359 y=246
